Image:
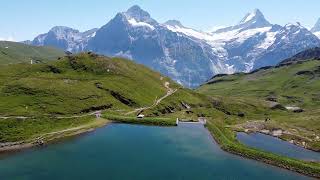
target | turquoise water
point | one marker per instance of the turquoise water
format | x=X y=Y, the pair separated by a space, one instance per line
x=278 y=146
x=132 y=152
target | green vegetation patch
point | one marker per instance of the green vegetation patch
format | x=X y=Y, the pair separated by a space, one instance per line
x=77 y=84
x=146 y=120
x=13 y=52
x=13 y=129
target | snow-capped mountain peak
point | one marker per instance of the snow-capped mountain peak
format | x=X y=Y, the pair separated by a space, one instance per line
x=139 y=15
x=256 y=15
x=65 y=37
x=254 y=19
x=294 y=29
x=251 y=20
x=62 y=29
x=63 y=32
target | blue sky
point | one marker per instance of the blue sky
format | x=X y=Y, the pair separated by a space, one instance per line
x=23 y=20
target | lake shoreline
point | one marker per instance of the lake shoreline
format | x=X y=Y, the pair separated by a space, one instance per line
x=249 y=131
x=12 y=147
x=86 y=129
x=304 y=148
x=310 y=169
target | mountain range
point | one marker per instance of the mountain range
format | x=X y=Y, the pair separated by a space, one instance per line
x=188 y=56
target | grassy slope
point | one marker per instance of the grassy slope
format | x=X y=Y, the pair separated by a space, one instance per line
x=247 y=93
x=281 y=81
x=70 y=86
x=73 y=85
x=13 y=52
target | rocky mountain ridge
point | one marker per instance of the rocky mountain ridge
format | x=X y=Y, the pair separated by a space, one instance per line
x=188 y=56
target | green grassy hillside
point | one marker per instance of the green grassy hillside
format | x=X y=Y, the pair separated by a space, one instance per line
x=77 y=85
x=13 y=52
x=265 y=94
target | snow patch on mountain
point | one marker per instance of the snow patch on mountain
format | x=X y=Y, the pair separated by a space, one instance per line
x=238 y=34
x=134 y=23
x=249 y=17
x=317 y=34
x=268 y=41
x=190 y=32
x=92 y=35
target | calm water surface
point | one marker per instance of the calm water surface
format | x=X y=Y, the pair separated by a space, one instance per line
x=132 y=152
x=278 y=146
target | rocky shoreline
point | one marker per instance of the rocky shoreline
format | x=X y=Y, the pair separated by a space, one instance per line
x=15 y=146
x=279 y=134
x=259 y=127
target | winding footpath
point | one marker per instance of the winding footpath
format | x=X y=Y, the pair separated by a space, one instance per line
x=157 y=101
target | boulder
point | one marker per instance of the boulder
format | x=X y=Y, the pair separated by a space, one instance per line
x=294 y=109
